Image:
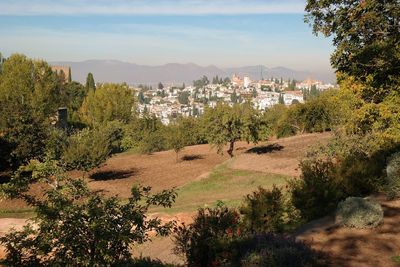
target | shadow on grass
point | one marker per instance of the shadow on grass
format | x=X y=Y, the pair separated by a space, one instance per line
x=265 y=149
x=192 y=157
x=113 y=175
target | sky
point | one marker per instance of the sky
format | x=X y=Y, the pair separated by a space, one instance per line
x=225 y=33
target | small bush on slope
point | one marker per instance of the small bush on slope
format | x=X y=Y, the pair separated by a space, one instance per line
x=358 y=212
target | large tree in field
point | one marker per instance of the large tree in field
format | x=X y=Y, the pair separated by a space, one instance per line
x=109 y=102
x=30 y=93
x=366 y=34
x=227 y=125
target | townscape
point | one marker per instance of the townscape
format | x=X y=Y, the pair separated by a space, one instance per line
x=169 y=102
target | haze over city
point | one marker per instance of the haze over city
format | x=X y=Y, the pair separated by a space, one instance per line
x=222 y=33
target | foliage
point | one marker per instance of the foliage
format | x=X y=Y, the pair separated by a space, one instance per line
x=202 y=241
x=393 y=176
x=367 y=40
x=267 y=211
x=30 y=94
x=153 y=142
x=227 y=125
x=90 y=84
x=358 y=212
x=87 y=149
x=76 y=227
x=109 y=102
x=176 y=139
x=346 y=166
x=318 y=191
x=322 y=113
x=183 y=98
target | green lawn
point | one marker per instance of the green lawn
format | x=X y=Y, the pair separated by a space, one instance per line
x=223 y=184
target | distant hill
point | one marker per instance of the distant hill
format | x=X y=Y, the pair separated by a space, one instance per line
x=175 y=73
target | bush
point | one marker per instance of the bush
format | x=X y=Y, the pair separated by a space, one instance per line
x=267 y=211
x=272 y=250
x=318 y=191
x=205 y=240
x=358 y=212
x=393 y=176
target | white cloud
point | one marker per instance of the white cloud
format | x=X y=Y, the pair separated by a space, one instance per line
x=146 y=7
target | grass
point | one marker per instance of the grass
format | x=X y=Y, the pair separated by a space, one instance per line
x=24 y=213
x=223 y=184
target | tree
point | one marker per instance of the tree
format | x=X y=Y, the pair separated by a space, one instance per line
x=141 y=97
x=183 y=98
x=30 y=93
x=281 y=99
x=367 y=39
x=227 y=125
x=90 y=84
x=176 y=139
x=160 y=86
x=69 y=75
x=107 y=103
x=76 y=227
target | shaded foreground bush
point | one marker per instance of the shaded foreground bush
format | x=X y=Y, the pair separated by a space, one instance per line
x=268 y=210
x=215 y=239
x=358 y=212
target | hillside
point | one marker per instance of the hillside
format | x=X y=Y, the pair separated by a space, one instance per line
x=175 y=73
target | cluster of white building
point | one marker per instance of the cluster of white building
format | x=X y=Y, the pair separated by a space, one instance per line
x=164 y=103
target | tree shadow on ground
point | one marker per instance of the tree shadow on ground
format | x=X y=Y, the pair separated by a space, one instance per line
x=265 y=149
x=192 y=157
x=113 y=174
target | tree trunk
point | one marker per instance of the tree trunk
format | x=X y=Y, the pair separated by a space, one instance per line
x=230 y=150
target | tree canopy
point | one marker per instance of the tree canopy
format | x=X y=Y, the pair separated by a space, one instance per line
x=366 y=35
x=227 y=125
x=109 y=102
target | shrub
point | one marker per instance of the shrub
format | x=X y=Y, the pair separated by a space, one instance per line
x=205 y=240
x=358 y=212
x=267 y=211
x=393 y=176
x=272 y=250
x=318 y=190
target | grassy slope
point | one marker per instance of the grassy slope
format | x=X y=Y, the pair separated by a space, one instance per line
x=222 y=184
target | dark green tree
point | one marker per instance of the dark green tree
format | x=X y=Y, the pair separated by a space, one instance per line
x=183 y=98
x=160 y=86
x=69 y=75
x=90 y=84
x=366 y=35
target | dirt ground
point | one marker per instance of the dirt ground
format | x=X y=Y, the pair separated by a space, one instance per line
x=358 y=247
x=161 y=171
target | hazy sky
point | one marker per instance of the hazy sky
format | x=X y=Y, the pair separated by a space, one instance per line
x=220 y=32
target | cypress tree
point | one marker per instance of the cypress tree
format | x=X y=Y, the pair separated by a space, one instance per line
x=90 y=84
x=69 y=75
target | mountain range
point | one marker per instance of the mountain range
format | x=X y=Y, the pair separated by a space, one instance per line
x=175 y=73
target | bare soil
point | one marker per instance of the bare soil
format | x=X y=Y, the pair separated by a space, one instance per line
x=162 y=171
x=357 y=247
